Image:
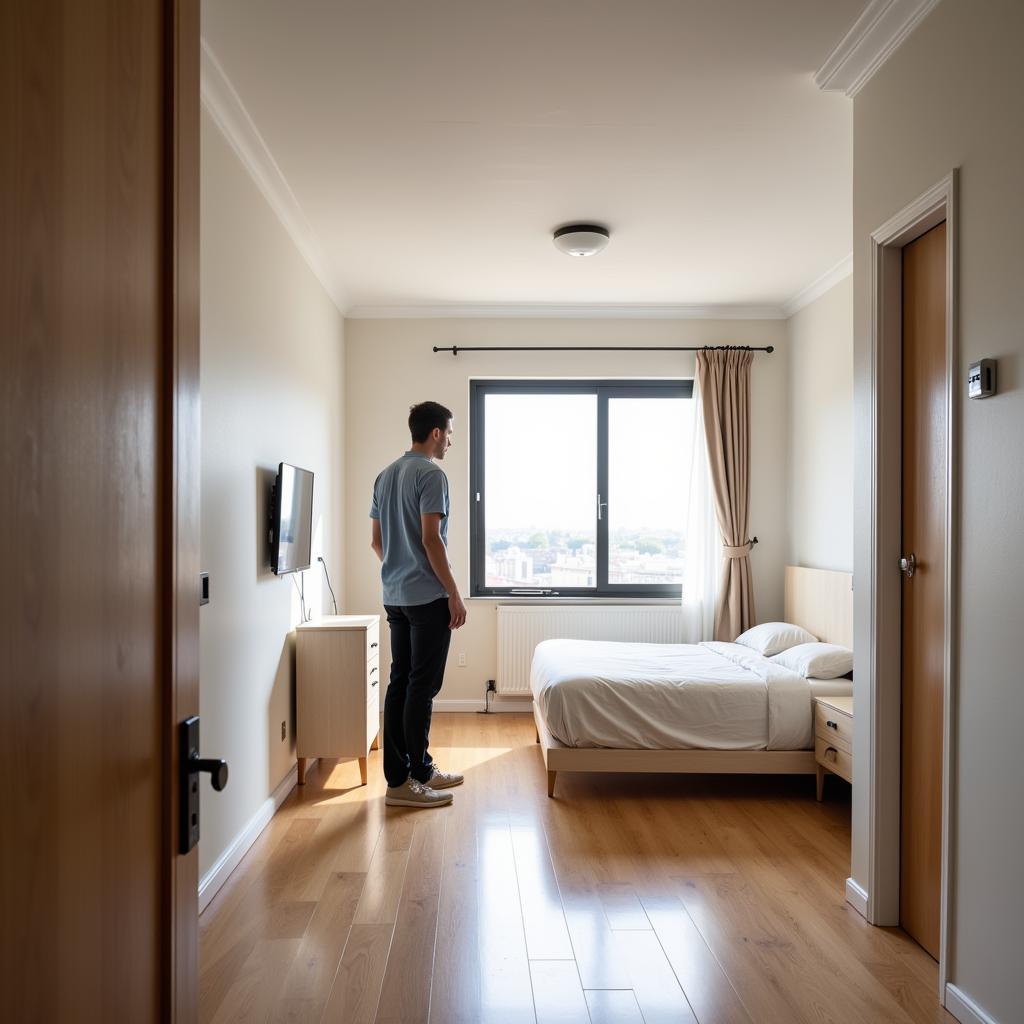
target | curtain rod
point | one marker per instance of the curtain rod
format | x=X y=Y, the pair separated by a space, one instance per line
x=456 y=349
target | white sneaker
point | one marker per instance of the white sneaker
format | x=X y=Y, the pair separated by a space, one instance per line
x=444 y=780
x=415 y=794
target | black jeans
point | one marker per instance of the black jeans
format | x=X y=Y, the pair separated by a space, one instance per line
x=420 y=638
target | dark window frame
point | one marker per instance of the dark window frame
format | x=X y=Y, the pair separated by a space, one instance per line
x=604 y=389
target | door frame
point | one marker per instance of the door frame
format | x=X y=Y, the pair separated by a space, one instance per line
x=939 y=203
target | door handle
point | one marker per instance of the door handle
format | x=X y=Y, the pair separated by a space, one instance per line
x=908 y=565
x=217 y=768
x=190 y=765
x=600 y=505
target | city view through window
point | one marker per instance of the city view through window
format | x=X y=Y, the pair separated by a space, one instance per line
x=541 y=480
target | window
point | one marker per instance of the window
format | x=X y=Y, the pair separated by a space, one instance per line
x=579 y=488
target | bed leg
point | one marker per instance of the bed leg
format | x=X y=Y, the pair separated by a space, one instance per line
x=536 y=732
x=551 y=783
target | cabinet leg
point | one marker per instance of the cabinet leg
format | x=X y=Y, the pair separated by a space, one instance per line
x=302 y=771
x=820 y=782
x=362 y=769
x=375 y=745
x=551 y=783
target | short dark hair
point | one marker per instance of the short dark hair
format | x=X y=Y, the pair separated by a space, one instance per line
x=424 y=417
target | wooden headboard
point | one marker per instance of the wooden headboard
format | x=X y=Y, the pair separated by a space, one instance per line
x=821 y=601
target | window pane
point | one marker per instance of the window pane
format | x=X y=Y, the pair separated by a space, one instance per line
x=649 y=451
x=540 y=465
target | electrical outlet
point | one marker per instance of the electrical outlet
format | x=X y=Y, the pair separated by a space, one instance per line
x=284 y=731
x=462 y=661
x=491 y=687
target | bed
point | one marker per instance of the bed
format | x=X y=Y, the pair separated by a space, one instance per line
x=716 y=707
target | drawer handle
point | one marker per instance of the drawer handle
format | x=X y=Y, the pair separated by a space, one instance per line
x=374 y=644
x=372 y=670
x=832 y=725
x=830 y=753
x=375 y=682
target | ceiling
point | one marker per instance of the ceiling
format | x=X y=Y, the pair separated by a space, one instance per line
x=427 y=150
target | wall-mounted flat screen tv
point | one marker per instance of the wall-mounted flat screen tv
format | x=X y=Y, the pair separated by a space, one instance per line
x=291 y=519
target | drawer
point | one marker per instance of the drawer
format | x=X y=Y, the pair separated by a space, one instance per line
x=372 y=641
x=373 y=678
x=834 y=758
x=833 y=726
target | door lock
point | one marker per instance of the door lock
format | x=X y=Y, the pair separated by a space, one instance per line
x=191 y=764
x=908 y=565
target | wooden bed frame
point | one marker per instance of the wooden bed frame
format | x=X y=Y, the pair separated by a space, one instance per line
x=819 y=600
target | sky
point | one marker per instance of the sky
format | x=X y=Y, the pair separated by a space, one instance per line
x=541 y=462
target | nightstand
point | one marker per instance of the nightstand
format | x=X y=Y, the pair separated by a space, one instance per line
x=833 y=738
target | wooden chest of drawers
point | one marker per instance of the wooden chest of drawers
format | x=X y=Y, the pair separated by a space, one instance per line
x=833 y=738
x=337 y=688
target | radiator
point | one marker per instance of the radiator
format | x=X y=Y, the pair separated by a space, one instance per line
x=522 y=627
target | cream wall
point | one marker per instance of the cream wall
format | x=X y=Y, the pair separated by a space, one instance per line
x=272 y=355
x=951 y=97
x=820 y=432
x=389 y=366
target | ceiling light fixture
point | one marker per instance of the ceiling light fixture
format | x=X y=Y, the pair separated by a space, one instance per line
x=581 y=239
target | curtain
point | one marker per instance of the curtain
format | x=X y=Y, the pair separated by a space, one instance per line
x=724 y=380
x=703 y=543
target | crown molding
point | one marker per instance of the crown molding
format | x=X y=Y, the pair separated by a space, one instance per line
x=818 y=287
x=225 y=106
x=875 y=35
x=555 y=311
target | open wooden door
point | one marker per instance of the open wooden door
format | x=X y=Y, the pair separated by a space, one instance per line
x=99 y=502
x=924 y=476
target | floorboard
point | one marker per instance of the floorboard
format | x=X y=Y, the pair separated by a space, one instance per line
x=626 y=900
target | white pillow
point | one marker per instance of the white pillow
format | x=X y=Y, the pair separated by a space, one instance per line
x=772 y=637
x=817 y=661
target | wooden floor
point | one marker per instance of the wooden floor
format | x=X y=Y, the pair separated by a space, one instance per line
x=625 y=899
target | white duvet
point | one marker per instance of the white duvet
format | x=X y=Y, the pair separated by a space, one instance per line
x=712 y=696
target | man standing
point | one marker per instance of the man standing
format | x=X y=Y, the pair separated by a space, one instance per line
x=410 y=536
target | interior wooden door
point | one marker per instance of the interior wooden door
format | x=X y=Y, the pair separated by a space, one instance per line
x=98 y=505
x=924 y=481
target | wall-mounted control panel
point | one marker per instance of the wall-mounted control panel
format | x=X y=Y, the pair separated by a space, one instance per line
x=981 y=379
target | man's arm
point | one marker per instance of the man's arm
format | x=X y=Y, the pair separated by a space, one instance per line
x=377 y=541
x=437 y=555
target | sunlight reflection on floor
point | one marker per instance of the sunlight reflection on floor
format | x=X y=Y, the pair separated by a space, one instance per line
x=342 y=785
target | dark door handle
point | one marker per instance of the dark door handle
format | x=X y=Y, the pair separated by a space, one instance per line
x=190 y=765
x=217 y=768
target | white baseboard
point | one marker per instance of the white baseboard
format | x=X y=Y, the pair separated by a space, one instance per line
x=210 y=883
x=857 y=897
x=964 y=1008
x=497 y=705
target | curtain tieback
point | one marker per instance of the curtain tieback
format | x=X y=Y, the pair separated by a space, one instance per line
x=738 y=550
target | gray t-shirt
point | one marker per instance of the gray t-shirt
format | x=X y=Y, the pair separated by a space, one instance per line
x=410 y=487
